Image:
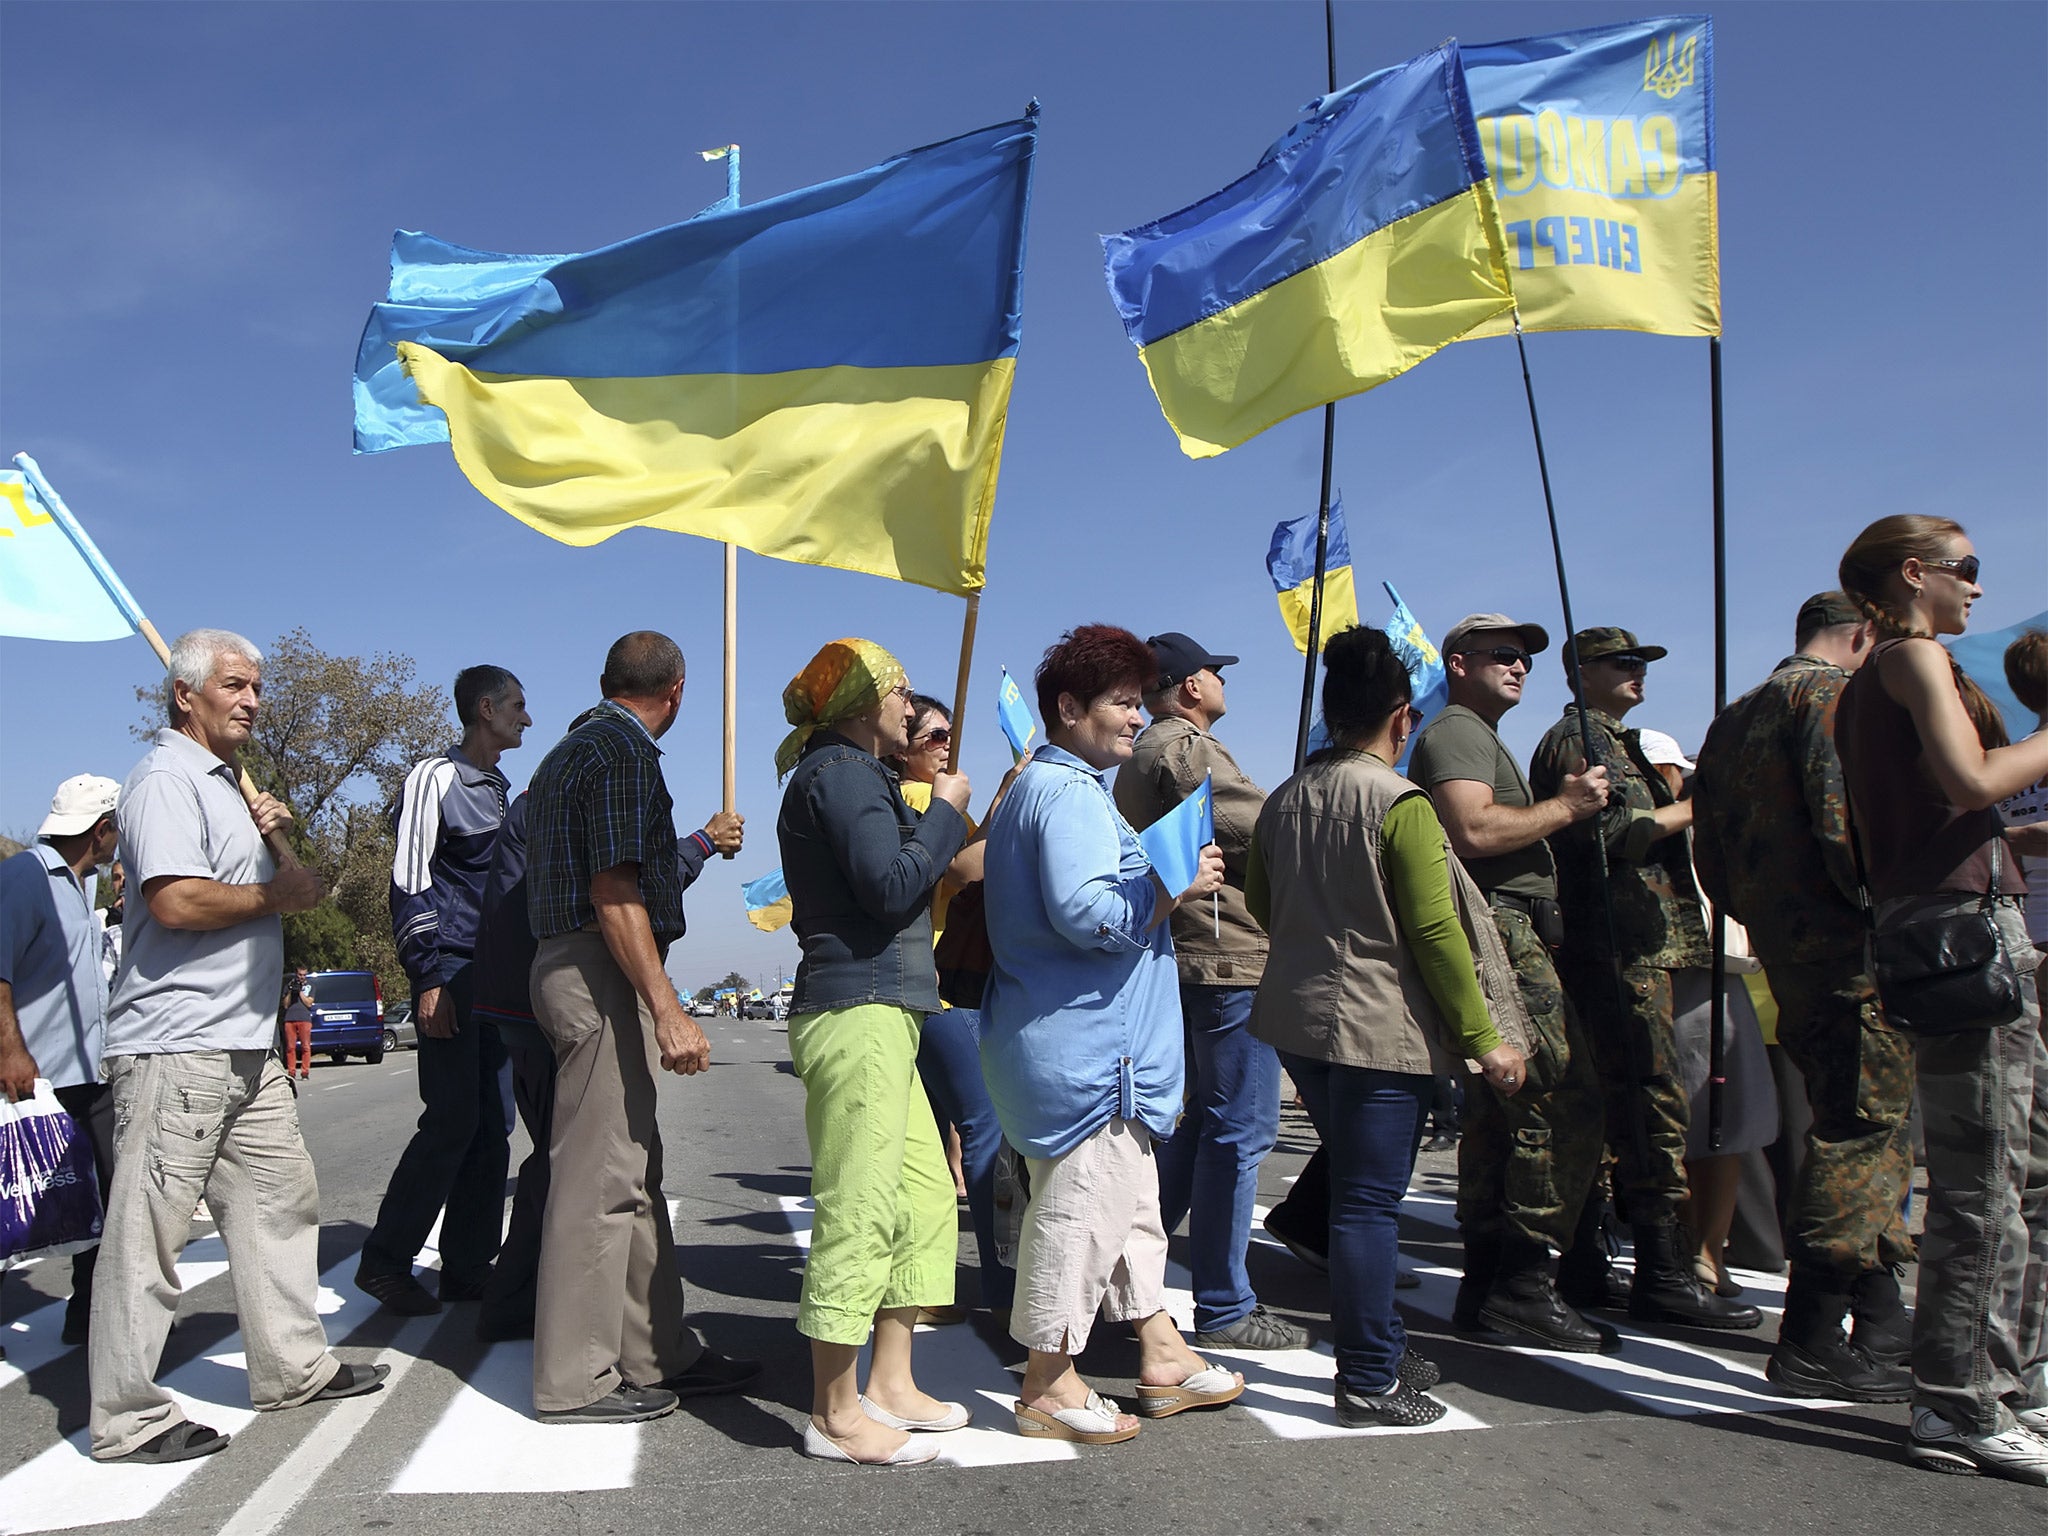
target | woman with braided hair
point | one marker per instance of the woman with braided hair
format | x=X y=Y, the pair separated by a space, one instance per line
x=1925 y=759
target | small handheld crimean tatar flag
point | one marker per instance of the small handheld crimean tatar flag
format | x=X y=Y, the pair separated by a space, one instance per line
x=1291 y=562
x=768 y=902
x=54 y=582
x=1014 y=715
x=1174 y=842
x=1365 y=240
x=821 y=377
x=1601 y=144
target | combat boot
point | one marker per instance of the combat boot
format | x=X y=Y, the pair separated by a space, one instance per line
x=1814 y=1357
x=1884 y=1328
x=1667 y=1291
x=1524 y=1302
x=1586 y=1278
x=1482 y=1264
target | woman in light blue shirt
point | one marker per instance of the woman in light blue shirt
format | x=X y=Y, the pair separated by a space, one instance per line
x=1081 y=1048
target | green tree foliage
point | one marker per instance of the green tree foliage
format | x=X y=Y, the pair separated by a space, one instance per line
x=334 y=740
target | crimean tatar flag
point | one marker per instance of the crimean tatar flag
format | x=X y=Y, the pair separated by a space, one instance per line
x=1365 y=240
x=1429 y=686
x=1014 y=715
x=1601 y=144
x=1291 y=562
x=54 y=582
x=821 y=377
x=1174 y=842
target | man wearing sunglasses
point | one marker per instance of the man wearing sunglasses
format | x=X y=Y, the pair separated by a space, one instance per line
x=1209 y=1169
x=1657 y=929
x=1526 y=1161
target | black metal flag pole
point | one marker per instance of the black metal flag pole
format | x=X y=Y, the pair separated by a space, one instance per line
x=1315 y=601
x=1717 y=1048
x=1638 y=1063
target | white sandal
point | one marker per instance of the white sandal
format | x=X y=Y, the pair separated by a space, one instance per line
x=1093 y=1424
x=823 y=1447
x=1209 y=1387
x=956 y=1416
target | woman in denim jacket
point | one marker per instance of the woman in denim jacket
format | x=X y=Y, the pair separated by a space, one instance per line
x=1081 y=1047
x=861 y=866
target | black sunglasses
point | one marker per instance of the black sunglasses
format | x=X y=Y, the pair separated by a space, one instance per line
x=1964 y=570
x=1506 y=655
x=1626 y=662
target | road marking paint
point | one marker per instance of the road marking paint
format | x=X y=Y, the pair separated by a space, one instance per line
x=35 y=1338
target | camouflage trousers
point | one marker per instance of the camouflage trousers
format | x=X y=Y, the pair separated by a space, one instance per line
x=1980 y=1319
x=1526 y=1161
x=1847 y=1210
x=1617 y=1026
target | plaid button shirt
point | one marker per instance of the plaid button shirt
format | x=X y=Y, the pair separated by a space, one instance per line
x=598 y=800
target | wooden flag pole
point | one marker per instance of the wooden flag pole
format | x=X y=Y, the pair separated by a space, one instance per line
x=280 y=847
x=960 y=683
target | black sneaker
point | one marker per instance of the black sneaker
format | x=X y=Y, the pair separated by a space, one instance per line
x=1257 y=1329
x=1419 y=1373
x=711 y=1375
x=1401 y=1408
x=397 y=1292
x=624 y=1404
x=1836 y=1369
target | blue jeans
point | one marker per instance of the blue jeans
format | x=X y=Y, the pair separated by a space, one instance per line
x=1209 y=1170
x=1370 y=1121
x=457 y=1157
x=949 y=1061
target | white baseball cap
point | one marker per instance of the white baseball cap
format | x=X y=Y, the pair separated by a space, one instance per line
x=79 y=802
x=1661 y=749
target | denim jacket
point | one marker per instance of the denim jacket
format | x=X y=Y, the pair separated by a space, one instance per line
x=1081 y=1022
x=861 y=866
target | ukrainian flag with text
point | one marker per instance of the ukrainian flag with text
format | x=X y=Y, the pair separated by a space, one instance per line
x=1601 y=144
x=1364 y=241
x=821 y=377
x=1291 y=562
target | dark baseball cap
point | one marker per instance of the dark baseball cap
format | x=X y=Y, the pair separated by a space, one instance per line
x=1179 y=658
x=1595 y=644
x=1824 y=610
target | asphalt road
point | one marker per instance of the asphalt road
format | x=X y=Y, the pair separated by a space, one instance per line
x=1667 y=1436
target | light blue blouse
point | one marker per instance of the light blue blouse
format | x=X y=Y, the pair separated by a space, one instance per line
x=1081 y=1020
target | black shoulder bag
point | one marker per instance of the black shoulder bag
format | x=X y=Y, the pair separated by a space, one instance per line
x=1943 y=974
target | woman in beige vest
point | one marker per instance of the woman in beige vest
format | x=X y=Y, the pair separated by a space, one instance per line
x=1384 y=963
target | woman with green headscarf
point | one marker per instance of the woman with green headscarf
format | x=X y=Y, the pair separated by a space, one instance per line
x=861 y=866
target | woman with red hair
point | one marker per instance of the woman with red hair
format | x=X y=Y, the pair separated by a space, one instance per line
x=1081 y=1047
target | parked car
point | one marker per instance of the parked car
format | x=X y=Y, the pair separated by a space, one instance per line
x=399 y=1030
x=348 y=1014
x=757 y=1008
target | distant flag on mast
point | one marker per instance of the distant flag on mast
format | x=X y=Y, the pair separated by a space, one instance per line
x=1291 y=562
x=54 y=582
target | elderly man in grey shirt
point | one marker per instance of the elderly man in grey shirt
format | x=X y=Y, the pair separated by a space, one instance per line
x=201 y=1106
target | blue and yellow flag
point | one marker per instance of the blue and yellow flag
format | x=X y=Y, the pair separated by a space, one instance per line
x=1601 y=144
x=821 y=377
x=54 y=582
x=1174 y=842
x=1364 y=241
x=1291 y=562
x=768 y=902
x=1014 y=715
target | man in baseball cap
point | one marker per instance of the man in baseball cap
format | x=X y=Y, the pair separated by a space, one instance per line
x=53 y=991
x=1209 y=1169
x=1634 y=849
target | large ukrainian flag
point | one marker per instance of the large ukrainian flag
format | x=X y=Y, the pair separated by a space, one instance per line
x=1363 y=242
x=1601 y=144
x=823 y=377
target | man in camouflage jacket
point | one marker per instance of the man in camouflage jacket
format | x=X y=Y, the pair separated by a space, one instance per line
x=1772 y=846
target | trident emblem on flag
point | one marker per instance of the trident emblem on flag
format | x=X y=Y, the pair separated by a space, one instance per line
x=1671 y=71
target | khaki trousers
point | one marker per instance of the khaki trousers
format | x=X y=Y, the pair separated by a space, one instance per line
x=610 y=1298
x=222 y=1124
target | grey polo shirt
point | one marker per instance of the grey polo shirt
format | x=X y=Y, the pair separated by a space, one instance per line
x=182 y=813
x=50 y=956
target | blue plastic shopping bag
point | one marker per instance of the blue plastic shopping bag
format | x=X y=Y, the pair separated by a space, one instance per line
x=49 y=1197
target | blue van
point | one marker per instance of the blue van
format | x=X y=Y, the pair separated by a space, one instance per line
x=348 y=1014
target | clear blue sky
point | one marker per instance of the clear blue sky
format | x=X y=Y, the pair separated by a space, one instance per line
x=199 y=199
